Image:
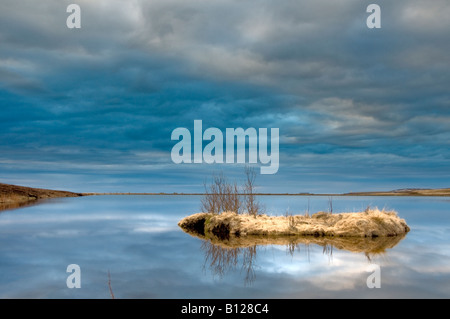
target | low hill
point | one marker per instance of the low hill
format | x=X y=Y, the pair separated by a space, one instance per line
x=406 y=192
x=14 y=196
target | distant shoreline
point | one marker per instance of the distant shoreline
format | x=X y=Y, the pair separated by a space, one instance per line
x=407 y=192
x=13 y=196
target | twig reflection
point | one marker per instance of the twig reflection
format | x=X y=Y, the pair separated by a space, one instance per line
x=223 y=259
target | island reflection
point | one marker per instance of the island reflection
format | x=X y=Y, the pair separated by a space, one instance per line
x=230 y=254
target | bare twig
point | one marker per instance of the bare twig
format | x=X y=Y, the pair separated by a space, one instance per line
x=224 y=196
x=330 y=203
x=109 y=285
x=307 y=210
x=221 y=196
x=249 y=188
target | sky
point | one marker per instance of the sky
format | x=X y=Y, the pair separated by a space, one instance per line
x=92 y=109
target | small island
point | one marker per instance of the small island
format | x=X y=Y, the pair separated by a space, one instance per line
x=230 y=211
x=370 y=223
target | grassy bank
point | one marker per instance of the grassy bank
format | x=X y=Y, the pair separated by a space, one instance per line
x=370 y=223
x=13 y=196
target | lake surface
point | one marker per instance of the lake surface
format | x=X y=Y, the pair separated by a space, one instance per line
x=136 y=239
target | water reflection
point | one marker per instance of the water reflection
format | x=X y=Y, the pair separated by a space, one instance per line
x=149 y=256
x=226 y=255
x=13 y=205
x=222 y=259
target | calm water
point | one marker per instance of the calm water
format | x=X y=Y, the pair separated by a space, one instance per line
x=136 y=239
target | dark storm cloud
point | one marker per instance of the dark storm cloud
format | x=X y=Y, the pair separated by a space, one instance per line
x=344 y=97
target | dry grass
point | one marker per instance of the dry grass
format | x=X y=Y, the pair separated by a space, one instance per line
x=370 y=223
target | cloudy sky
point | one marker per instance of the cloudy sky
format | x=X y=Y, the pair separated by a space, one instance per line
x=92 y=109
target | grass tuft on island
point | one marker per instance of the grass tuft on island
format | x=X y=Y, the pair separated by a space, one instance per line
x=370 y=223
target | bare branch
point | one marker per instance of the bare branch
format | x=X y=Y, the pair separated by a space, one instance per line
x=109 y=285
